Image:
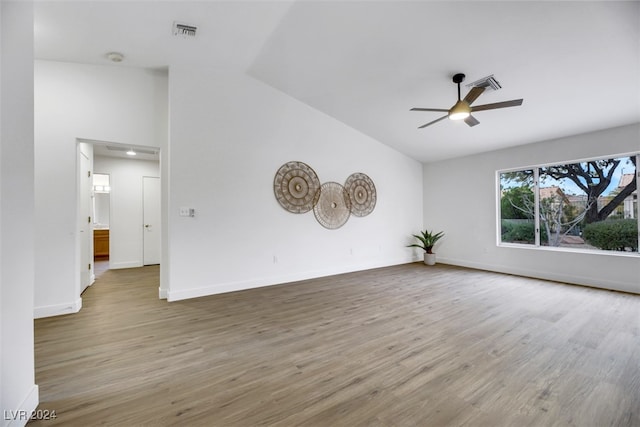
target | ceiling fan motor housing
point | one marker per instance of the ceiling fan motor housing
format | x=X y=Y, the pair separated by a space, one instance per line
x=458 y=78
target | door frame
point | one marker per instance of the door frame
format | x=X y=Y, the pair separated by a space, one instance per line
x=164 y=256
x=85 y=240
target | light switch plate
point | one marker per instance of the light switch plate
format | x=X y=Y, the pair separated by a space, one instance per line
x=187 y=212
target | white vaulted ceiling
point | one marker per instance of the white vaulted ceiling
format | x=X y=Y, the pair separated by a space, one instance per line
x=366 y=63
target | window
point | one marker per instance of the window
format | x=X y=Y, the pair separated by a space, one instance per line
x=586 y=205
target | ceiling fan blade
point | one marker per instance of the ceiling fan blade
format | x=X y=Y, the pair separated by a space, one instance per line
x=430 y=109
x=471 y=121
x=473 y=94
x=503 y=104
x=435 y=121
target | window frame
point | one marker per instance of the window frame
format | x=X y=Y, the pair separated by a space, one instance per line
x=536 y=182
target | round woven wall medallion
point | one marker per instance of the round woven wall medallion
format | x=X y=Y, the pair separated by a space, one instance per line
x=362 y=194
x=296 y=187
x=333 y=207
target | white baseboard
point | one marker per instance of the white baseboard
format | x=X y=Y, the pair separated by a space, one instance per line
x=124 y=264
x=220 y=288
x=18 y=417
x=57 y=309
x=573 y=279
x=162 y=293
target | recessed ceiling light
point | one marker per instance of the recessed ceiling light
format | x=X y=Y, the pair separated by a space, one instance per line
x=115 y=56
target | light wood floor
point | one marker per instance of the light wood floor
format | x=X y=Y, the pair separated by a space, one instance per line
x=407 y=345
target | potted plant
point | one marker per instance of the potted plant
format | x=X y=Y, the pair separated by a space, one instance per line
x=427 y=240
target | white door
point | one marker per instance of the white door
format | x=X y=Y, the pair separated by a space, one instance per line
x=85 y=223
x=151 y=218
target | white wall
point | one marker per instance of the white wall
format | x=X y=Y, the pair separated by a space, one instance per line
x=126 y=216
x=460 y=198
x=17 y=380
x=106 y=103
x=229 y=135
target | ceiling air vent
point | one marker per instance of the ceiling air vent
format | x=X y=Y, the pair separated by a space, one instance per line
x=184 y=30
x=488 y=82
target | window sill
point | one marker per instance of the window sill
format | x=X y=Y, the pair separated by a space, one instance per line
x=570 y=250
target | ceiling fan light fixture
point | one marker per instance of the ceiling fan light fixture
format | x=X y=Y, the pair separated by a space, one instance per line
x=460 y=111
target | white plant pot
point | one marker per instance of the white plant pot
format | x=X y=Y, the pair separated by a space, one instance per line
x=429 y=259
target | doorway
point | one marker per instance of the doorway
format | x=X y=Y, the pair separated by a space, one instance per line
x=119 y=208
x=101 y=215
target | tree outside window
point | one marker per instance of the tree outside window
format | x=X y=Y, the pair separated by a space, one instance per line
x=584 y=205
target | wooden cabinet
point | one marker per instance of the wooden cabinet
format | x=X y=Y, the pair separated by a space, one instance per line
x=100 y=244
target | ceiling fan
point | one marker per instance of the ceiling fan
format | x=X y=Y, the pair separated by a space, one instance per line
x=462 y=109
